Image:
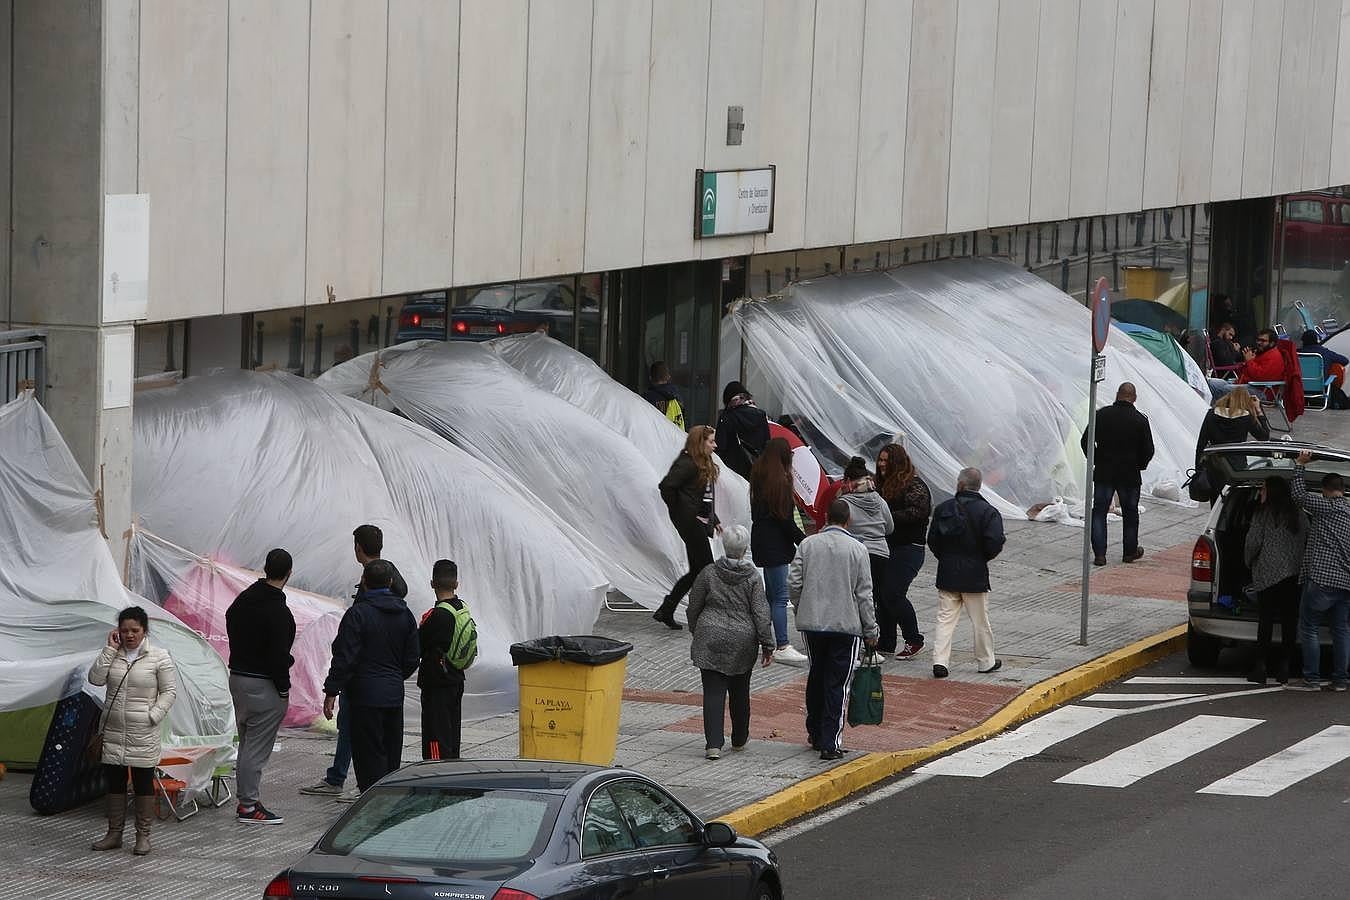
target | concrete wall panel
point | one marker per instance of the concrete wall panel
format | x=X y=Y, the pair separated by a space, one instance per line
x=617 y=183
x=121 y=91
x=266 y=156
x=832 y=151
x=1321 y=94
x=1230 y=111
x=348 y=40
x=1199 y=93
x=182 y=153
x=1092 y=107
x=735 y=61
x=1166 y=95
x=977 y=27
x=1053 y=122
x=556 y=119
x=677 y=126
x=1019 y=28
x=785 y=93
x=928 y=129
x=1340 y=119
x=1129 y=105
x=490 y=155
x=881 y=131
x=1291 y=111
x=1263 y=85
x=419 y=145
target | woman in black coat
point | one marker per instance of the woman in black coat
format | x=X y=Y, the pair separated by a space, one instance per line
x=687 y=491
x=774 y=535
x=1234 y=418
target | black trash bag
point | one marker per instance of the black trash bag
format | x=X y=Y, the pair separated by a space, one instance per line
x=589 y=649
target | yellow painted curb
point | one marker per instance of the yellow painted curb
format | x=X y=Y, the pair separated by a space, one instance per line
x=830 y=787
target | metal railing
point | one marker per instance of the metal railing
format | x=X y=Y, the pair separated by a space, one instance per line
x=23 y=363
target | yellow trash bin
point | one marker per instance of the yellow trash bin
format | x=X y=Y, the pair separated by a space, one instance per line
x=571 y=693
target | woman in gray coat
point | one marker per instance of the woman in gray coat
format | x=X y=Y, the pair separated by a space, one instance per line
x=729 y=619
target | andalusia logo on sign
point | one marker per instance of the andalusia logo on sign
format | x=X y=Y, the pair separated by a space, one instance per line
x=709 y=204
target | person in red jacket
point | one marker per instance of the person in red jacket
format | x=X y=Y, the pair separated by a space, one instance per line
x=1265 y=362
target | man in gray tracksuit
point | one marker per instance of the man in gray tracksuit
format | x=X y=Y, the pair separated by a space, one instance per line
x=830 y=585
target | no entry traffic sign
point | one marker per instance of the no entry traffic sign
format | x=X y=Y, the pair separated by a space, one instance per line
x=1101 y=315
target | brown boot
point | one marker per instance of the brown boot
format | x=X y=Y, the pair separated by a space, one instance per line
x=145 y=814
x=117 y=820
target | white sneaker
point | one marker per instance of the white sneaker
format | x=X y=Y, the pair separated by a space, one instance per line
x=712 y=753
x=790 y=656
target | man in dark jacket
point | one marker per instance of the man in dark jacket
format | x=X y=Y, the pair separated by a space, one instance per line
x=663 y=395
x=1124 y=447
x=742 y=429
x=261 y=630
x=367 y=544
x=965 y=534
x=374 y=652
x=441 y=683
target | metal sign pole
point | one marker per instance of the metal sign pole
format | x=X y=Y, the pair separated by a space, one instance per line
x=1087 y=501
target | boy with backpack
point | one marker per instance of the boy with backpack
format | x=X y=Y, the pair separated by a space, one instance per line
x=449 y=640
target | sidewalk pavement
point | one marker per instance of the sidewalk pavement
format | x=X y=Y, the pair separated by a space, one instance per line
x=1034 y=608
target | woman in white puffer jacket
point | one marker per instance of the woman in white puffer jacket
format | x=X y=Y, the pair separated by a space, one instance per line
x=141 y=685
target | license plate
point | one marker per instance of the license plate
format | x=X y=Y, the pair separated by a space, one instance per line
x=436 y=322
x=482 y=329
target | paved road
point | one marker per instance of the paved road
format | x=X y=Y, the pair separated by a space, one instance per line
x=1172 y=782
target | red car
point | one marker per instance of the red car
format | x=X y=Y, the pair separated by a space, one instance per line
x=1316 y=231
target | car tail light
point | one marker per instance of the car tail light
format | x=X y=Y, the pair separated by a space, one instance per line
x=501 y=329
x=461 y=327
x=512 y=894
x=386 y=879
x=279 y=887
x=410 y=320
x=1202 y=561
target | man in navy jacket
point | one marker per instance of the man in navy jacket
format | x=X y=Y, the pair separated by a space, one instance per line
x=375 y=651
x=965 y=534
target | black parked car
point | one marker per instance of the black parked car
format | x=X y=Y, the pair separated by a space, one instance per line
x=498 y=310
x=527 y=830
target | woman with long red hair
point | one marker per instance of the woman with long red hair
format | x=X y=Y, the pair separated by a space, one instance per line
x=774 y=536
x=911 y=505
x=687 y=490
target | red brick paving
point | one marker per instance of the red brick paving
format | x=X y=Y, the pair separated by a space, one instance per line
x=919 y=711
x=1161 y=575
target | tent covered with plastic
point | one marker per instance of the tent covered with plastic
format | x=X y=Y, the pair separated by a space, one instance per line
x=975 y=362
x=1168 y=352
x=199 y=591
x=552 y=366
x=574 y=466
x=60 y=592
x=229 y=466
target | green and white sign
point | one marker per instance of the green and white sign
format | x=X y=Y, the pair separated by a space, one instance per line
x=733 y=201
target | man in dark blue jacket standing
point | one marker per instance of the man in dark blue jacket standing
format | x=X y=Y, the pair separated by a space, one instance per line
x=375 y=651
x=965 y=534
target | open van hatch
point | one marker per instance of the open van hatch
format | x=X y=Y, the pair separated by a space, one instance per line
x=1258 y=460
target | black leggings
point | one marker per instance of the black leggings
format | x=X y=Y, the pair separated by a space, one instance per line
x=699 y=552
x=1278 y=603
x=142 y=779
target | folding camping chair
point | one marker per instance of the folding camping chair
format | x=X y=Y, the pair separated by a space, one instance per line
x=1270 y=394
x=1227 y=373
x=1316 y=382
x=173 y=792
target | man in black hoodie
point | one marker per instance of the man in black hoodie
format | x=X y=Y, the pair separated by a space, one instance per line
x=375 y=651
x=663 y=395
x=442 y=684
x=261 y=630
x=742 y=429
x=367 y=544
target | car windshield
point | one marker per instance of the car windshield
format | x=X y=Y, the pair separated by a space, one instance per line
x=445 y=826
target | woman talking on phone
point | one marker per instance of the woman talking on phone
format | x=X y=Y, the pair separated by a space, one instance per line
x=141 y=685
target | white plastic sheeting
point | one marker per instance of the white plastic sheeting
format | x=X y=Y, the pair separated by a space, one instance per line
x=232 y=465
x=199 y=591
x=60 y=592
x=553 y=366
x=592 y=479
x=976 y=362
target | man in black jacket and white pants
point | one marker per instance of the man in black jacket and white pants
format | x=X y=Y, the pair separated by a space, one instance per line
x=1124 y=447
x=375 y=651
x=965 y=534
x=442 y=684
x=261 y=630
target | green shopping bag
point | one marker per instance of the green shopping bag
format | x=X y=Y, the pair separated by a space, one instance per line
x=866 y=702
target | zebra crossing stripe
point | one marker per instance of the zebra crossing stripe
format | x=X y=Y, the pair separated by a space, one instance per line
x=1184 y=679
x=1153 y=754
x=1027 y=741
x=1288 y=767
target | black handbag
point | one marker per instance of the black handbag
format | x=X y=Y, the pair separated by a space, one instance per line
x=1198 y=485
